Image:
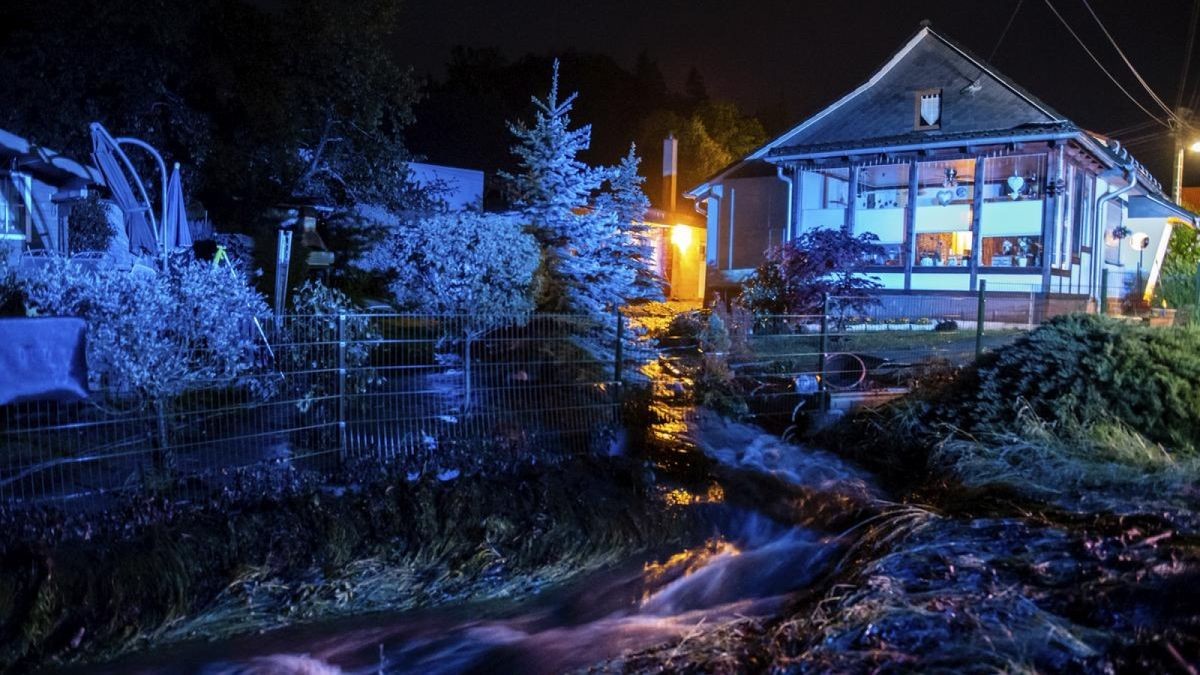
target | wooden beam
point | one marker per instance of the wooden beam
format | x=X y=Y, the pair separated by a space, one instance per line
x=910 y=224
x=976 y=220
x=851 y=198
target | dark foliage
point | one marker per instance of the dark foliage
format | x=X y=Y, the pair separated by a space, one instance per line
x=246 y=562
x=89 y=227
x=798 y=275
x=261 y=102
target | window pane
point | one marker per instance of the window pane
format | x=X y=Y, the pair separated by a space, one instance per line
x=1013 y=177
x=1011 y=222
x=824 y=194
x=1011 y=251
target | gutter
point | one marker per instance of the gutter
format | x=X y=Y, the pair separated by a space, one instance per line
x=1130 y=170
x=787 y=228
x=962 y=142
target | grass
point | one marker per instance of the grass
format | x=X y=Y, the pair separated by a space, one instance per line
x=235 y=567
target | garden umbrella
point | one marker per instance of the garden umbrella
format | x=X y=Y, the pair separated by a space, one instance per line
x=176 y=233
x=139 y=219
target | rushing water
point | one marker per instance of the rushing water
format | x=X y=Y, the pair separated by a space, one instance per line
x=747 y=568
x=746 y=571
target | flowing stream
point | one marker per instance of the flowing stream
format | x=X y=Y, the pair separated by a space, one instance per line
x=747 y=567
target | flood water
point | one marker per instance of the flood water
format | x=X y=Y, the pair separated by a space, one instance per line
x=747 y=567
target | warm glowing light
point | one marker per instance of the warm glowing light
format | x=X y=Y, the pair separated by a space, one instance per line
x=681 y=236
x=1196 y=146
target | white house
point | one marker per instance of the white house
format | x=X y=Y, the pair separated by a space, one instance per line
x=963 y=176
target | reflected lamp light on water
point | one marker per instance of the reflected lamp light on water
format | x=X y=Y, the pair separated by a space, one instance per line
x=681 y=236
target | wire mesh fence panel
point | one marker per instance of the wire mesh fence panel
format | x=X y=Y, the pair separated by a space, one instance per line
x=328 y=395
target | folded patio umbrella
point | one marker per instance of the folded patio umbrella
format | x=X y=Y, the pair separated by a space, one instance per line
x=117 y=170
x=176 y=232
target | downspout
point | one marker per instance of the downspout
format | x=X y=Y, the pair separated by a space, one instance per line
x=787 y=227
x=1098 y=250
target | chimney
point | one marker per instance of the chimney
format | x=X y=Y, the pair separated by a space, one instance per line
x=670 y=172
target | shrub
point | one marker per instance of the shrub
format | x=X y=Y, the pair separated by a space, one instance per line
x=155 y=336
x=797 y=275
x=88 y=226
x=1086 y=369
x=313 y=333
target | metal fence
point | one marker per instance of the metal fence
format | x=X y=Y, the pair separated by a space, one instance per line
x=874 y=346
x=331 y=395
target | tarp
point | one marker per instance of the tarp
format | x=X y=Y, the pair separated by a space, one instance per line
x=42 y=359
x=139 y=220
x=176 y=233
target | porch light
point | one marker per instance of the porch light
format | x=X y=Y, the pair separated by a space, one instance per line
x=681 y=236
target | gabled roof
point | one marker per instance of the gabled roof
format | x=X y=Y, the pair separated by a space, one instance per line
x=975 y=99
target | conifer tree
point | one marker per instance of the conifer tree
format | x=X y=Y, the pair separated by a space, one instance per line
x=590 y=261
x=629 y=203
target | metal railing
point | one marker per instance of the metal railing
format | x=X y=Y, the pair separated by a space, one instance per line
x=877 y=343
x=334 y=395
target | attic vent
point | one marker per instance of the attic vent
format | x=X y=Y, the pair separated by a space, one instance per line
x=928 y=109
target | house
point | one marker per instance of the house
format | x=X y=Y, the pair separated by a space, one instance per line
x=962 y=175
x=677 y=236
x=461 y=189
x=37 y=190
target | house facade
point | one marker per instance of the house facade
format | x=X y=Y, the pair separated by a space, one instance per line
x=963 y=177
x=37 y=189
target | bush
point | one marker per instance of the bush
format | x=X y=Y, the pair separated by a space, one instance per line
x=155 y=336
x=311 y=357
x=1081 y=370
x=88 y=226
x=797 y=275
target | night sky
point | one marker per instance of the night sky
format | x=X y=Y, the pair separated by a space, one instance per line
x=809 y=53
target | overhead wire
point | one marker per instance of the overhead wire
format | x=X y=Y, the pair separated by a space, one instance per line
x=1004 y=32
x=1187 y=55
x=1129 y=64
x=1100 y=65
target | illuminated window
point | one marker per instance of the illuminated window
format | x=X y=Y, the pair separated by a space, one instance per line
x=879 y=210
x=946 y=190
x=1011 y=222
x=824 y=195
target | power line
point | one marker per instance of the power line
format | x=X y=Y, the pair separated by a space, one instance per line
x=1008 y=25
x=1187 y=55
x=1145 y=85
x=1101 y=65
x=1131 y=128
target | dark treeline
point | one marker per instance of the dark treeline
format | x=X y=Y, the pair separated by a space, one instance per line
x=462 y=119
x=265 y=102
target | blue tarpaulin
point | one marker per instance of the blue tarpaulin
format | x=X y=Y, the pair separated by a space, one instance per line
x=42 y=359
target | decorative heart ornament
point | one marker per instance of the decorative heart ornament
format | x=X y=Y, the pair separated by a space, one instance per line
x=944 y=197
x=1015 y=184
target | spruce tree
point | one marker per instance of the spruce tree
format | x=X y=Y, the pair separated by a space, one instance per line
x=634 y=248
x=590 y=263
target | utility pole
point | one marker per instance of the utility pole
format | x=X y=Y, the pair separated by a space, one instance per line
x=1180 y=127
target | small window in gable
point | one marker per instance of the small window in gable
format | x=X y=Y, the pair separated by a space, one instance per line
x=928 y=107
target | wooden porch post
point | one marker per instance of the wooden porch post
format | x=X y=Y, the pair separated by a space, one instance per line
x=910 y=225
x=976 y=220
x=851 y=198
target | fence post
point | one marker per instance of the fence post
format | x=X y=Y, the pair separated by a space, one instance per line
x=1197 y=306
x=341 y=391
x=822 y=389
x=1103 y=291
x=979 y=317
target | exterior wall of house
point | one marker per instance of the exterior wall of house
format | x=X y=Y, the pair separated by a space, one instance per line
x=946 y=222
x=748 y=218
x=31 y=217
